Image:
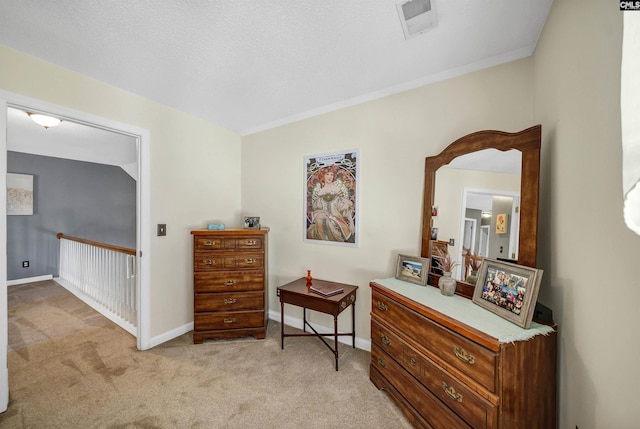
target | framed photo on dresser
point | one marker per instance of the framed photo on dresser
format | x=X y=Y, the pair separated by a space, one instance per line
x=412 y=269
x=508 y=290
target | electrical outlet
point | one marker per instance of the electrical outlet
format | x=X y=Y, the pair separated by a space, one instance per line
x=452 y=242
x=162 y=229
x=25 y=264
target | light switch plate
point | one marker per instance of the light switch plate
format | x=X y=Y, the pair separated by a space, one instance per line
x=162 y=229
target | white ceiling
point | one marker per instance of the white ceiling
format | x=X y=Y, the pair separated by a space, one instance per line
x=250 y=65
x=71 y=140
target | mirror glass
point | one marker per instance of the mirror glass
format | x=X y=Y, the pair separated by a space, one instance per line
x=481 y=200
x=473 y=192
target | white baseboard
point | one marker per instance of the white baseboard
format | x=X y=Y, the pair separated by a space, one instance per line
x=296 y=322
x=29 y=280
x=170 y=335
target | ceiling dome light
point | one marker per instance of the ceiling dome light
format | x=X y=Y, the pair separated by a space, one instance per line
x=44 y=120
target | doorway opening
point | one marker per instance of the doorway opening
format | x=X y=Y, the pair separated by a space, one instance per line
x=142 y=143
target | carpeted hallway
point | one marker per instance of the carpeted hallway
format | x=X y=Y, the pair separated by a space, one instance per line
x=69 y=367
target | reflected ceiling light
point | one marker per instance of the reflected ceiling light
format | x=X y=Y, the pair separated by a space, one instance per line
x=44 y=120
x=486 y=214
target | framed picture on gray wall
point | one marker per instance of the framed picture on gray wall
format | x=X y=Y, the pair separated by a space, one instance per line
x=19 y=194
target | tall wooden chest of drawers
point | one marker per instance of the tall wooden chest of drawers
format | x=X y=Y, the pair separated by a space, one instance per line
x=229 y=283
x=445 y=373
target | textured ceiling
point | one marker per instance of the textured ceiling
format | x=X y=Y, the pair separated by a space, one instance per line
x=249 y=65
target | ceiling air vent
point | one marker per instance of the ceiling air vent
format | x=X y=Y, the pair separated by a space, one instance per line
x=416 y=17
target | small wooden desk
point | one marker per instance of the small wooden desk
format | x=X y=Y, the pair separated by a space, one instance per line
x=297 y=293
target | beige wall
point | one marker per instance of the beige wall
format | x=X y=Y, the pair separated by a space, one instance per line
x=590 y=257
x=394 y=135
x=186 y=171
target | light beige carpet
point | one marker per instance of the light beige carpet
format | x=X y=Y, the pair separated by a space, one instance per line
x=69 y=367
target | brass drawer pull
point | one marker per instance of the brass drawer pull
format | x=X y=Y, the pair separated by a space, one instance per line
x=449 y=390
x=208 y=262
x=250 y=242
x=386 y=341
x=250 y=260
x=381 y=363
x=230 y=320
x=382 y=306
x=464 y=356
x=412 y=362
x=229 y=282
x=229 y=300
x=208 y=243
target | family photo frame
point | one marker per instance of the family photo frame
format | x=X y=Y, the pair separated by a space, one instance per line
x=412 y=269
x=251 y=222
x=508 y=290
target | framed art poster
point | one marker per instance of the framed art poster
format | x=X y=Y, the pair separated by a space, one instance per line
x=19 y=194
x=331 y=198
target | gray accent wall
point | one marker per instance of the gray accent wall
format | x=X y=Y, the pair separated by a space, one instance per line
x=80 y=199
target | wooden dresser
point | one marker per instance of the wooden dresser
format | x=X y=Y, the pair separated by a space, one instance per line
x=448 y=363
x=229 y=283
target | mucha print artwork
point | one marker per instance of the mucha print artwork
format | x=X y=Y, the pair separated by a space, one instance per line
x=331 y=198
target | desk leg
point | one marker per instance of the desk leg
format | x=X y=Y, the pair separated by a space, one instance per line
x=281 y=325
x=335 y=336
x=353 y=324
x=304 y=319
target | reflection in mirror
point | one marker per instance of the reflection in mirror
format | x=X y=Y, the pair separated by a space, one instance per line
x=472 y=193
x=478 y=203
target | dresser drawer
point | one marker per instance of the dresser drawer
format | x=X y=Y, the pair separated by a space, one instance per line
x=228 y=281
x=425 y=403
x=214 y=261
x=438 y=342
x=228 y=320
x=397 y=349
x=475 y=410
x=387 y=341
x=228 y=301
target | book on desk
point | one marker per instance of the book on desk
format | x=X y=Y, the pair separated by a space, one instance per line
x=326 y=289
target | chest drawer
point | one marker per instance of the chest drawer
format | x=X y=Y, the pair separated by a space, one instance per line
x=228 y=320
x=208 y=243
x=214 y=261
x=228 y=243
x=228 y=281
x=228 y=301
x=437 y=416
x=438 y=342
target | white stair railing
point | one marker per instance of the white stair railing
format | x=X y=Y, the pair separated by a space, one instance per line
x=103 y=276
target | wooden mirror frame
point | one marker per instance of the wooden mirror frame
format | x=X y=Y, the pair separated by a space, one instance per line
x=528 y=143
